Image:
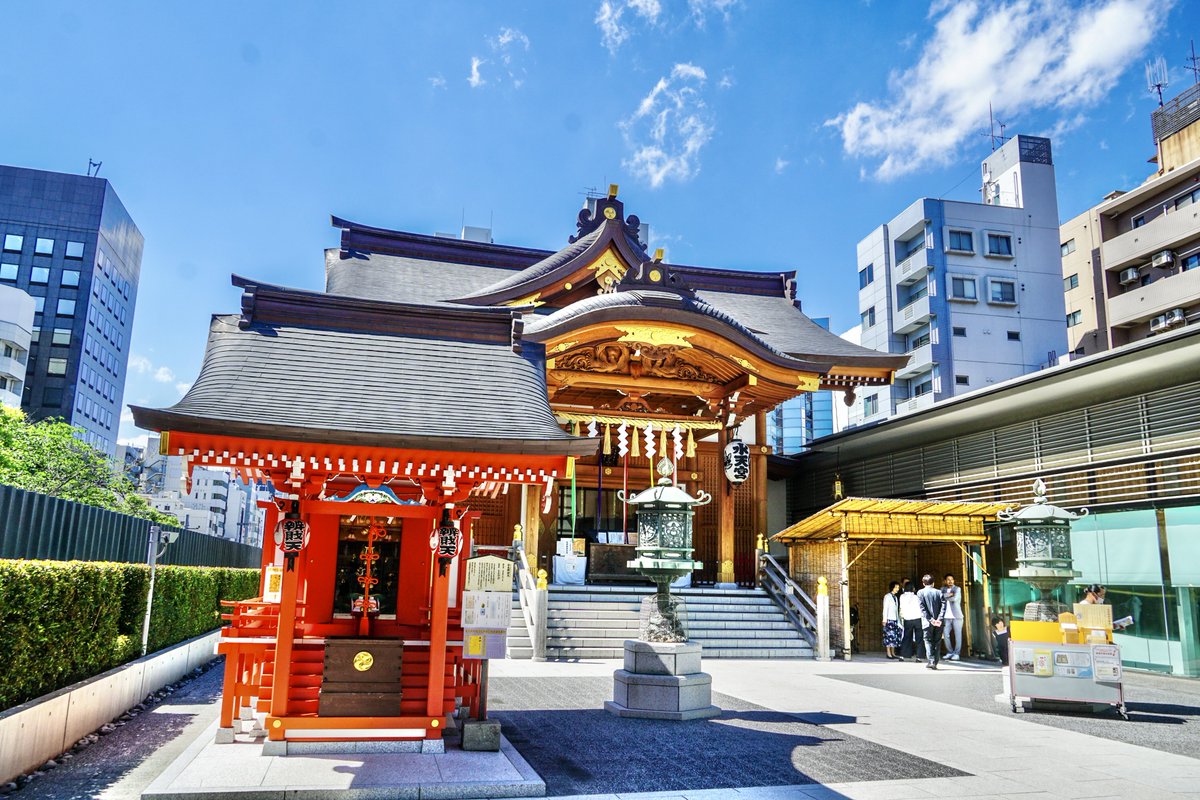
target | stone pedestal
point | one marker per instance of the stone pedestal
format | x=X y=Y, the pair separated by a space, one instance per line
x=662 y=681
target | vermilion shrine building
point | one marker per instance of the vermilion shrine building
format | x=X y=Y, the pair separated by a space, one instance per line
x=440 y=380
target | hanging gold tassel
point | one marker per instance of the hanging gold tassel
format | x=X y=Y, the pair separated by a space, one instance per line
x=608 y=440
x=636 y=450
x=575 y=428
x=662 y=443
x=691 y=445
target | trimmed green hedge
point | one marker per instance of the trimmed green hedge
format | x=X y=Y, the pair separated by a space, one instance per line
x=64 y=621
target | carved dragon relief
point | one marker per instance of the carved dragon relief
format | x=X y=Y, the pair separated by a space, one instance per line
x=621 y=358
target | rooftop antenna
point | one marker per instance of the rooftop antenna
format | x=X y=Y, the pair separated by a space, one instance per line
x=93 y=165
x=1193 y=62
x=997 y=138
x=1156 y=77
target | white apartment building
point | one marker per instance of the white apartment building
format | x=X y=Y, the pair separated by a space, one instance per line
x=16 y=334
x=972 y=291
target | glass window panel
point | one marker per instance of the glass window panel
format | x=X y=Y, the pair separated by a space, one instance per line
x=61 y=336
x=1117 y=548
x=39 y=304
x=8 y=272
x=75 y=250
x=999 y=245
x=1183 y=545
x=44 y=247
x=40 y=275
x=963 y=288
x=962 y=240
x=66 y=308
x=70 y=277
x=13 y=243
x=1003 y=292
x=36 y=335
x=57 y=366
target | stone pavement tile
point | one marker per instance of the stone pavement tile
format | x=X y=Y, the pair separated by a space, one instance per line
x=460 y=766
x=391 y=770
x=971 y=785
x=884 y=790
x=243 y=775
x=314 y=771
x=362 y=793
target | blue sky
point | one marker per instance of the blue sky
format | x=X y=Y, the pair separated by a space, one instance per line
x=749 y=134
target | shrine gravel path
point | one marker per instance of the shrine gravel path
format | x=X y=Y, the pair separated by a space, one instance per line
x=558 y=725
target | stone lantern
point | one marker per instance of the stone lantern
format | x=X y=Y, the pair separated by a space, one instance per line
x=661 y=678
x=1043 y=540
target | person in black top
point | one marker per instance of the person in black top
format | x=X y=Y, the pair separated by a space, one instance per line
x=933 y=612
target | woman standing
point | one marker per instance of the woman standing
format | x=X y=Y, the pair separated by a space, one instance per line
x=891 y=620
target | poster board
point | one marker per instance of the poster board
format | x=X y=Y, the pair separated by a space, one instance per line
x=489 y=574
x=1080 y=673
x=485 y=643
x=486 y=609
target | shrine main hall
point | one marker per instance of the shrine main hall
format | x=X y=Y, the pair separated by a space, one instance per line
x=600 y=354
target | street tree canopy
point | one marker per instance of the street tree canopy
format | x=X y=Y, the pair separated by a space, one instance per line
x=49 y=458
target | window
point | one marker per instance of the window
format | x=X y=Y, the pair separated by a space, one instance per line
x=39 y=304
x=1189 y=262
x=57 y=366
x=919 y=341
x=44 y=247
x=1074 y=318
x=8 y=272
x=52 y=397
x=40 y=275
x=1014 y=336
x=868 y=318
x=66 y=308
x=1068 y=247
x=13 y=243
x=61 y=336
x=999 y=244
x=957 y=331
x=870 y=405
x=1070 y=282
x=70 y=277
x=962 y=289
x=1187 y=199
x=1139 y=221
x=36 y=335
x=962 y=380
x=1002 y=291
x=866 y=275
x=962 y=241
x=924 y=387
x=75 y=251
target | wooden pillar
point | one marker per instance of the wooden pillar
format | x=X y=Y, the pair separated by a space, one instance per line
x=847 y=634
x=758 y=475
x=437 y=646
x=725 y=517
x=282 y=680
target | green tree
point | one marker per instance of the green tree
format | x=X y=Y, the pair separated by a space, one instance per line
x=48 y=457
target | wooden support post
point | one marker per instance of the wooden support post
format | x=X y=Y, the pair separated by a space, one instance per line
x=281 y=683
x=437 y=647
x=725 y=518
x=758 y=477
x=847 y=633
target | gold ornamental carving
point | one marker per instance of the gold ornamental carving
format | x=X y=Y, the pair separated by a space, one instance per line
x=363 y=661
x=653 y=334
x=528 y=300
x=609 y=269
x=807 y=382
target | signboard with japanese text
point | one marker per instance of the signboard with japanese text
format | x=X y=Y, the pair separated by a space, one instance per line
x=446 y=541
x=484 y=643
x=489 y=574
x=272 y=584
x=487 y=609
x=291 y=535
x=737 y=461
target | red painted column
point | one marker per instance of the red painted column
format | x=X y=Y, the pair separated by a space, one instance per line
x=439 y=611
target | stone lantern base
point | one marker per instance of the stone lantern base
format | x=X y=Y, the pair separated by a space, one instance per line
x=662 y=681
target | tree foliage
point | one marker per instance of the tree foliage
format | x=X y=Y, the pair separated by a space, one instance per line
x=49 y=457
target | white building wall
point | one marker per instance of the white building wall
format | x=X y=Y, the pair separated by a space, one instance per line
x=16 y=334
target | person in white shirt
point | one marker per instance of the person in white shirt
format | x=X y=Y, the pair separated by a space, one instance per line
x=912 y=643
x=952 y=597
x=891 y=620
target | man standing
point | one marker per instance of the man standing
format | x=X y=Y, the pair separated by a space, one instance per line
x=933 y=611
x=952 y=598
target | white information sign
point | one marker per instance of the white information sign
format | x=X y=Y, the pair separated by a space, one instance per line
x=483 y=643
x=489 y=574
x=487 y=610
x=1106 y=663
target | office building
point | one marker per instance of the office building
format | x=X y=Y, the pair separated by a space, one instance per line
x=1130 y=264
x=971 y=291
x=16 y=333
x=69 y=243
x=796 y=422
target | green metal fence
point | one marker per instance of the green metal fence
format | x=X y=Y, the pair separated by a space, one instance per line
x=36 y=525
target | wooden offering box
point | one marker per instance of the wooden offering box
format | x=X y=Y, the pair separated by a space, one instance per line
x=361 y=678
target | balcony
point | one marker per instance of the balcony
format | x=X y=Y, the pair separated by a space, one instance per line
x=920 y=361
x=913 y=268
x=10 y=399
x=11 y=368
x=1140 y=304
x=912 y=316
x=915 y=404
x=1161 y=233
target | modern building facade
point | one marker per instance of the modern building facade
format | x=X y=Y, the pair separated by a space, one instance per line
x=1117 y=433
x=1130 y=264
x=16 y=333
x=970 y=291
x=794 y=424
x=70 y=244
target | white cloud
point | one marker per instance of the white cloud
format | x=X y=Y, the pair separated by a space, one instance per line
x=182 y=387
x=164 y=375
x=135 y=441
x=1022 y=56
x=726 y=81
x=126 y=415
x=475 y=79
x=508 y=40
x=702 y=8
x=669 y=128
x=616 y=28
x=780 y=165
x=608 y=18
x=437 y=82
x=139 y=363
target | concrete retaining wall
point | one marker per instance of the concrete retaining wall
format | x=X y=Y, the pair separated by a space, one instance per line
x=38 y=730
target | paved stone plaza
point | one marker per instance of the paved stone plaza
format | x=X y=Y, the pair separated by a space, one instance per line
x=869 y=729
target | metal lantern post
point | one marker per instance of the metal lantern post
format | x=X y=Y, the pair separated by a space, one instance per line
x=1043 y=540
x=664 y=514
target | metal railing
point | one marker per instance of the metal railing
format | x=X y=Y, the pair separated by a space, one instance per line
x=534 y=603
x=795 y=603
x=39 y=526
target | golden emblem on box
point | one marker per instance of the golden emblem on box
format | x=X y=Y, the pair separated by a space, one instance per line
x=363 y=661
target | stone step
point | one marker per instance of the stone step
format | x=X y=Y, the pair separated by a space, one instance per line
x=578 y=653
x=647 y=589
x=559 y=643
x=627 y=599
x=555 y=634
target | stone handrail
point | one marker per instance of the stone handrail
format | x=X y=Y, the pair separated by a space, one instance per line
x=795 y=603
x=533 y=603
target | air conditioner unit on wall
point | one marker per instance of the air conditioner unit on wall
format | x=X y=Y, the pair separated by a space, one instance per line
x=1129 y=275
x=1175 y=316
x=1158 y=323
x=1164 y=259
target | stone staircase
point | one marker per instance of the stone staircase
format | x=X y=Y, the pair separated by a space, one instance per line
x=589 y=622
